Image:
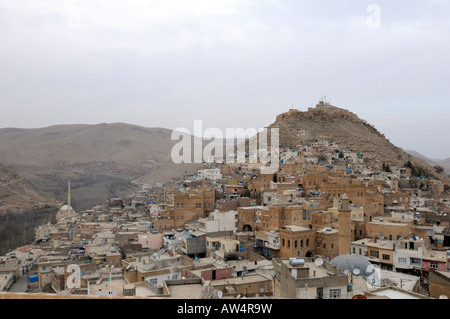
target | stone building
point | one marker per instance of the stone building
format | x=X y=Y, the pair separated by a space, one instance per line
x=192 y=205
x=297 y=241
x=308 y=278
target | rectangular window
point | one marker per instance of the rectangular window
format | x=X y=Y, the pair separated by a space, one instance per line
x=335 y=293
x=386 y=257
x=374 y=253
x=306 y=214
x=415 y=261
x=401 y=260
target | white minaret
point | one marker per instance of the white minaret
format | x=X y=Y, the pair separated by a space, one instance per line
x=68 y=198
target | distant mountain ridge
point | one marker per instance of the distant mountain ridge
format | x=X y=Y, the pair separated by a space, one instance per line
x=100 y=159
x=445 y=164
x=81 y=143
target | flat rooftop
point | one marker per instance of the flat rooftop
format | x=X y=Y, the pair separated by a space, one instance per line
x=116 y=285
x=190 y=291
x=435 y=255
x=319 y=270
x=378 y=222
x=239 y=280
x=143 y=291
x=326 y=230
x=403 y=281
x=386 y=244
x=238 y=265
x=296 y=228
x=255 y=207
x=393 y=293
x=148 y=263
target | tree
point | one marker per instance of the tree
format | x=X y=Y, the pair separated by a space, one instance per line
x=408 y=164
x=439 y=169
x=386 y=168
x=341 y=154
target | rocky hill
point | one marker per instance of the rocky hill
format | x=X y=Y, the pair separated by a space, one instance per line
x=22 y=207
x=346 y=129
x=18 y=194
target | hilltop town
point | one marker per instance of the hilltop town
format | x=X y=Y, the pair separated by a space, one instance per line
x=331 y=223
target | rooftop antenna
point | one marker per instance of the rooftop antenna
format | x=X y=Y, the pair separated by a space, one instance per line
x=321 y=100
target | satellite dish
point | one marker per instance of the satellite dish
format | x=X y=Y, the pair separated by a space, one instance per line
x=220 y=294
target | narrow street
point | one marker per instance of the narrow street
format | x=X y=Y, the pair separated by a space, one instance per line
x=20 y=285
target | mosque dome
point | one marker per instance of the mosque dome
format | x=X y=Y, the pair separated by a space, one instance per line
x=64 y=208
x=355 y=264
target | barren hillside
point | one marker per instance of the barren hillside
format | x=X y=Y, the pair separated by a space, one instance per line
x=100 y=160
x=70 y=144
x=22 y=207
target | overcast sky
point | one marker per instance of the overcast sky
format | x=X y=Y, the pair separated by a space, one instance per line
x=230 y=63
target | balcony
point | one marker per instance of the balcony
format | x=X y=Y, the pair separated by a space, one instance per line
x=272 y=245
